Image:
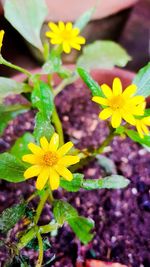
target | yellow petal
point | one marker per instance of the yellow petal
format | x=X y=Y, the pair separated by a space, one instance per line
x=100 y=100
x=137 y=110
x=30 y=158
x=65 y=148
x=144 y=128
x=137 y=100
x=130 y=91
x=116 y=119
x=146 y=120
x=51 y=34
x=35 y=149
x=54 y=179
x=75 y=46
x=117 y=87
x=53 y=27
x=75 y=32
x=64 y=172
x=54 y=142
x=79 y=40
x=32 y=171
x=66 y=47
x=68 y=26
x=61 y=26
x=106 y=90
x=128 y=117
x=44 y=143
x=1 y=38
x=105 y=114
x=42 y=178
x=68 y=160
x=139 y=129
x=57 y=40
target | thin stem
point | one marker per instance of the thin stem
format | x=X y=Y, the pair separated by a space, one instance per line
x=41 y=252
x=64 y=83
x=10 y=65
x=105 y=143
x=41 y=206
x=58 y=125
x=60 y=87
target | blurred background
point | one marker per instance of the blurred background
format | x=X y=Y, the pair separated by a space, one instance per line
x=126 y=22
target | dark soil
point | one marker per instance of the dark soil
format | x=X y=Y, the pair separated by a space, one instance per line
x=122 y=217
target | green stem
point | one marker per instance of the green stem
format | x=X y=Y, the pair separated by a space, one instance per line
x=10 y=65
x=58 y=125
x=41 y=252
x=41 y=206
x=63 y=84
x=105 y=143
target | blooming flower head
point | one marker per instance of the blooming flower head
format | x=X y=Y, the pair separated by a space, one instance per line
x=49 y=162
x=1 y=38
x=119 y=104
x=141 y=126
x=65 y=35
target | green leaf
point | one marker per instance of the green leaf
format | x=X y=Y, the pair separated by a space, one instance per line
x=42 y=99
x=10 y=87
x=7 y=113
x=11 y=216
x=20 y=148
x=11 y=169
x=74 y=185
x=142 y=81
x=82 y=227
x=83 y=20
x=43 y=127
x=136 y=138
x=109 y=182
x=107 y=164
x=103 y=54
x=27 y=18
x=92 y=85
x=64 y=212
x=147 y=112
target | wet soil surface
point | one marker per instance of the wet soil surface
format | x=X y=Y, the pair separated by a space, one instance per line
x=122 y=217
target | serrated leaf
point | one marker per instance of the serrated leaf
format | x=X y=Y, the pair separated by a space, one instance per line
x=27 y=18
x=103 y=54
x=20 y=147
x=42 y=99
x=107 y=164
x=83 y=20
x=109 y=182
x=142 y=81
x=136 y=138
x=74 y=185
x=11 y=87
x=82 y=228
x=11 y=168
x=11 y=216
x=7 y=113
x=63 y=211
x=92 y=85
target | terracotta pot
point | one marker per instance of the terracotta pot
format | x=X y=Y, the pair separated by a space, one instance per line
x=58 y=10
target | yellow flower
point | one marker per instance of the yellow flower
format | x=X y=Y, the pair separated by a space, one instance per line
x=49 y=162
x=65 y=35
x=141 y=126
x=1 y=38
x=120 y=105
